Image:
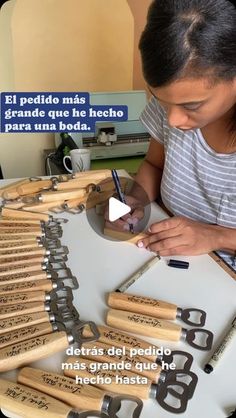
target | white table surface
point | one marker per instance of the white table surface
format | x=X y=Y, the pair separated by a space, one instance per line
x=101 y=265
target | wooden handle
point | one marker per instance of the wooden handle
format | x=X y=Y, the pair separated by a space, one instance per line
x=16 y=239
x=83 y=397
x=17 y=232
x=73 y=203
x=12 y=228
x=28 y=403
x=124 y=236
x=13 y=205
x=8 y=254
x=62 y=195
x=26 y=297
x=20 y=214
x=144 y=325
x=10 y=194
x=13 y=185
x=23 y=277
x=34 y=187
x=43 y=207
x=112 y=354
x=143 y=305
x=37 y=348
x=121 y=339
x=18 y=261
x=24 y=334
x=17 y=322
x=140 y=390
x=10 y=311
x=45 y=285
x=94 y=175
x=15 y=269
x=81 y=183
x=19 y=222
x=16 y=245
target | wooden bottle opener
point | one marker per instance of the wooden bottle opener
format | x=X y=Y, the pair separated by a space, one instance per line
x=47 y=285
x=20 y=214
x=157 y=376
x=156 y=328
x=45 y=207
x=153 y=307
x=76 y=395
x=149 y=369
x=117 y=338
x=31 y=266
x=144 y=389
x=47 y=197
x=56 y=302
x=35 y=243
x=16 y=355
x=58 y=310
x=18 y=261
x=24 y=276
x=13 y=186
x=124 y=236
x=28 y=403
x=63 y=293
x=9 y=253
x=62 y=310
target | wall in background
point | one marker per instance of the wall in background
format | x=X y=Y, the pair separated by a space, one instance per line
x=139 y=10
x=64 y=45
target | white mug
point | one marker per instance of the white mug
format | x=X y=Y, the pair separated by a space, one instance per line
x=80 y=160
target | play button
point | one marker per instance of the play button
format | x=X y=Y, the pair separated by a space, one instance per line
x=117 y=209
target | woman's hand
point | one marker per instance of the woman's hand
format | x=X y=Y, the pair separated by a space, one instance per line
x=182 y=236
x=132 y=218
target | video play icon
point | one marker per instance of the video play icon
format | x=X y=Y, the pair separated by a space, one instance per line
x=117 y=209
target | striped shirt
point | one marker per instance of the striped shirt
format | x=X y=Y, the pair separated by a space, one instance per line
x=197 y=182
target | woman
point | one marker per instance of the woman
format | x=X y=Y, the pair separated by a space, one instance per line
x=188 y=51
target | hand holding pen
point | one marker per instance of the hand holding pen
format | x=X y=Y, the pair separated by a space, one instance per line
x=129 y=221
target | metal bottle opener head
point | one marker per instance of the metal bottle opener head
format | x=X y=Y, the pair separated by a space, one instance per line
x=72 y=282
x=74 y=210
x=180 y=376
x=191 y=334
x=49 y=243
x=185 y=314
x=54 y=266
x=175 y=402
x=86 y=414
x=183 y=359
x=111 y=405
x=77 y=332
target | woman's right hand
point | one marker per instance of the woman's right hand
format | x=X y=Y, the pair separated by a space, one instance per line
x=132 y=218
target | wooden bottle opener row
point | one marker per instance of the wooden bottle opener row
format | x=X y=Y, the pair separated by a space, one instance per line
x=150 y=370
x=119 y=381
x=19 y=354
x=76 y=395
x=151 y=352
x=153 y=307
x=157 y=328
x=79 y=180
x=146 y=368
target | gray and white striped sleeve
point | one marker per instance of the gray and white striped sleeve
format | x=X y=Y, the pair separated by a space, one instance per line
x=152 y=118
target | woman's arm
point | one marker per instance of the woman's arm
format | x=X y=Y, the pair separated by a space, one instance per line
x=150 y=172
x=183 y=236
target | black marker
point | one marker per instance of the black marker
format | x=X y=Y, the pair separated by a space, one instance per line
x=120 y=193
x=209 y=367
x=179 y=264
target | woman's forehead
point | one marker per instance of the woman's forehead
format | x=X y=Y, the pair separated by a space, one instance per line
x=189 y=90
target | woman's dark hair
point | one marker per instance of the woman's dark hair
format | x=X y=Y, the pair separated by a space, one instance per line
x=189 y=38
